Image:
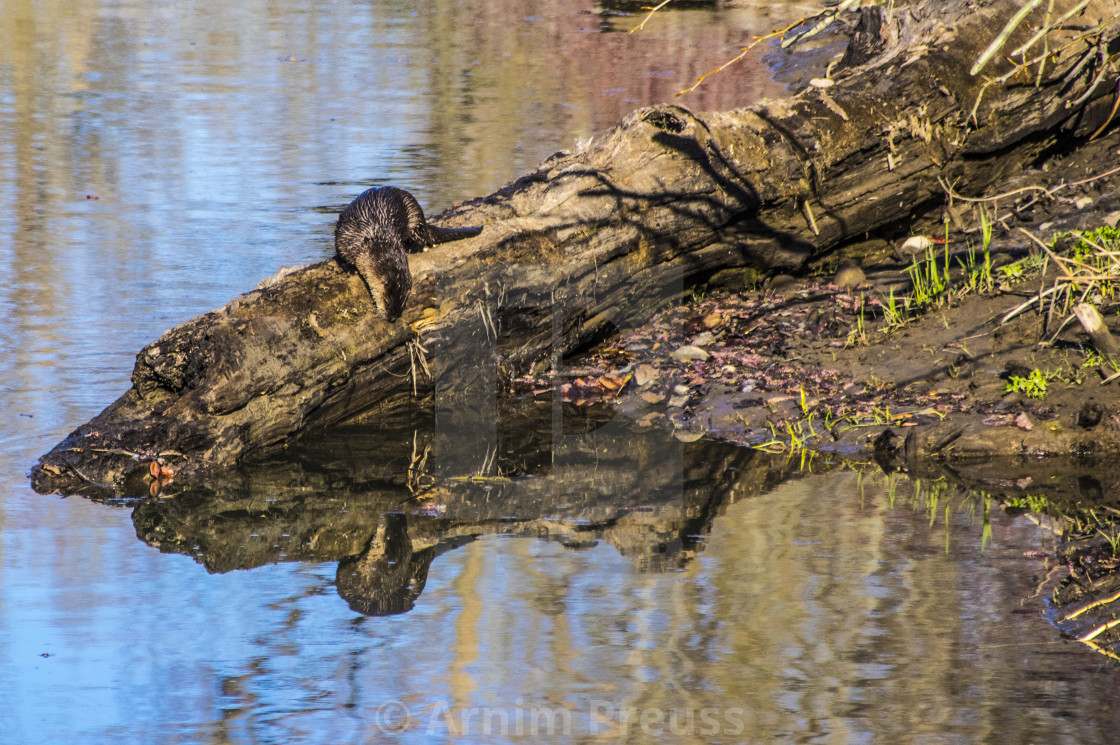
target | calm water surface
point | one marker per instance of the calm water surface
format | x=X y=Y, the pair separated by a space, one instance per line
x=158 y=158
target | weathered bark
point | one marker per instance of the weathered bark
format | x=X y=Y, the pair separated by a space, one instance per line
x=593 y=239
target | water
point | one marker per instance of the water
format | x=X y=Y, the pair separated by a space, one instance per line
x=157 y=159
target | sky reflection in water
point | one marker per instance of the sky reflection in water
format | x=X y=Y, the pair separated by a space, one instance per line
x=158 y=158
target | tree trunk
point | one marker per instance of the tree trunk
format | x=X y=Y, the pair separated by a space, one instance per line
x=593 y=240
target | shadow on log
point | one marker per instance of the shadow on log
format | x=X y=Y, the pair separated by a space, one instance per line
x=593 y=240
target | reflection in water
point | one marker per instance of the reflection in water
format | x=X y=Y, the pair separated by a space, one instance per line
x=831 y=608
x=386 y=502
x=601 y=581
x=388 y=575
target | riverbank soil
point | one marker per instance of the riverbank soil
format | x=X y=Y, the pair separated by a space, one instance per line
x=823 y=362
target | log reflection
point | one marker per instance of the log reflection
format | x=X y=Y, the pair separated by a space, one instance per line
x=386 y=502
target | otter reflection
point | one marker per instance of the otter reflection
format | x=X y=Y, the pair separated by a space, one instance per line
x=387 y=577
x=348 y=496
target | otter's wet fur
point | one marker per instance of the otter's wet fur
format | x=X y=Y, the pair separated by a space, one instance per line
x=375 y=234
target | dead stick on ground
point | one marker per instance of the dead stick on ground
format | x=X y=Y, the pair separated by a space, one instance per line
x=1091 y=320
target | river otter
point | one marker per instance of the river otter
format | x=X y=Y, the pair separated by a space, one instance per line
x=375 y=233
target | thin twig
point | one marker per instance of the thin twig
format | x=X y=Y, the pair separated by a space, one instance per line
x=1095 y=178
x=952 y=194
x=1016 y=311
x=650 y=15
x=1105 y=59
x=825 y=19
x=742 y=53
x=1000 y=40
x=1108 y=120
x=1048 y=27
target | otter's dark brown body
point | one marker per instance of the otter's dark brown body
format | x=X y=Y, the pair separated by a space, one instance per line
x=375 y=234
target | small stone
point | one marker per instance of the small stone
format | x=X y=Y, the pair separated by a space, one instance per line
x=916 y=246
x=1024 y=422
x=849 y=277
x=678 y=401
x=780 y=282
x=712 y=320
x=645 y=374
x=727 y=370
x=681 y=390
x=1082 y=202
x=685 y=435
x=689 y=353
x=703 y=339
x=1112 y=219
x=821 y=83
x=652 y=398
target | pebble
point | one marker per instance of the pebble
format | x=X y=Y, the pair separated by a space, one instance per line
x=711 y=320
x=849 y=277
x=915 y=246
x=681 y=390
x=780 y=282
x=689 y=353
x=1112 y=219
x=678 y=401
x=645 y=374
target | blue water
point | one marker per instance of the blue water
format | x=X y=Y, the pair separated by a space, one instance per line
x=158 y=158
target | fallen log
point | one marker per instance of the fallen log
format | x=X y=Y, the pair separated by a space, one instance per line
x=595 y=238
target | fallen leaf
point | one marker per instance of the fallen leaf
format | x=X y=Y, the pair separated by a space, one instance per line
x=611 y=382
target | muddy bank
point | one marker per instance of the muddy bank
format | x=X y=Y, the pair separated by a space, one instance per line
x=823 y=362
